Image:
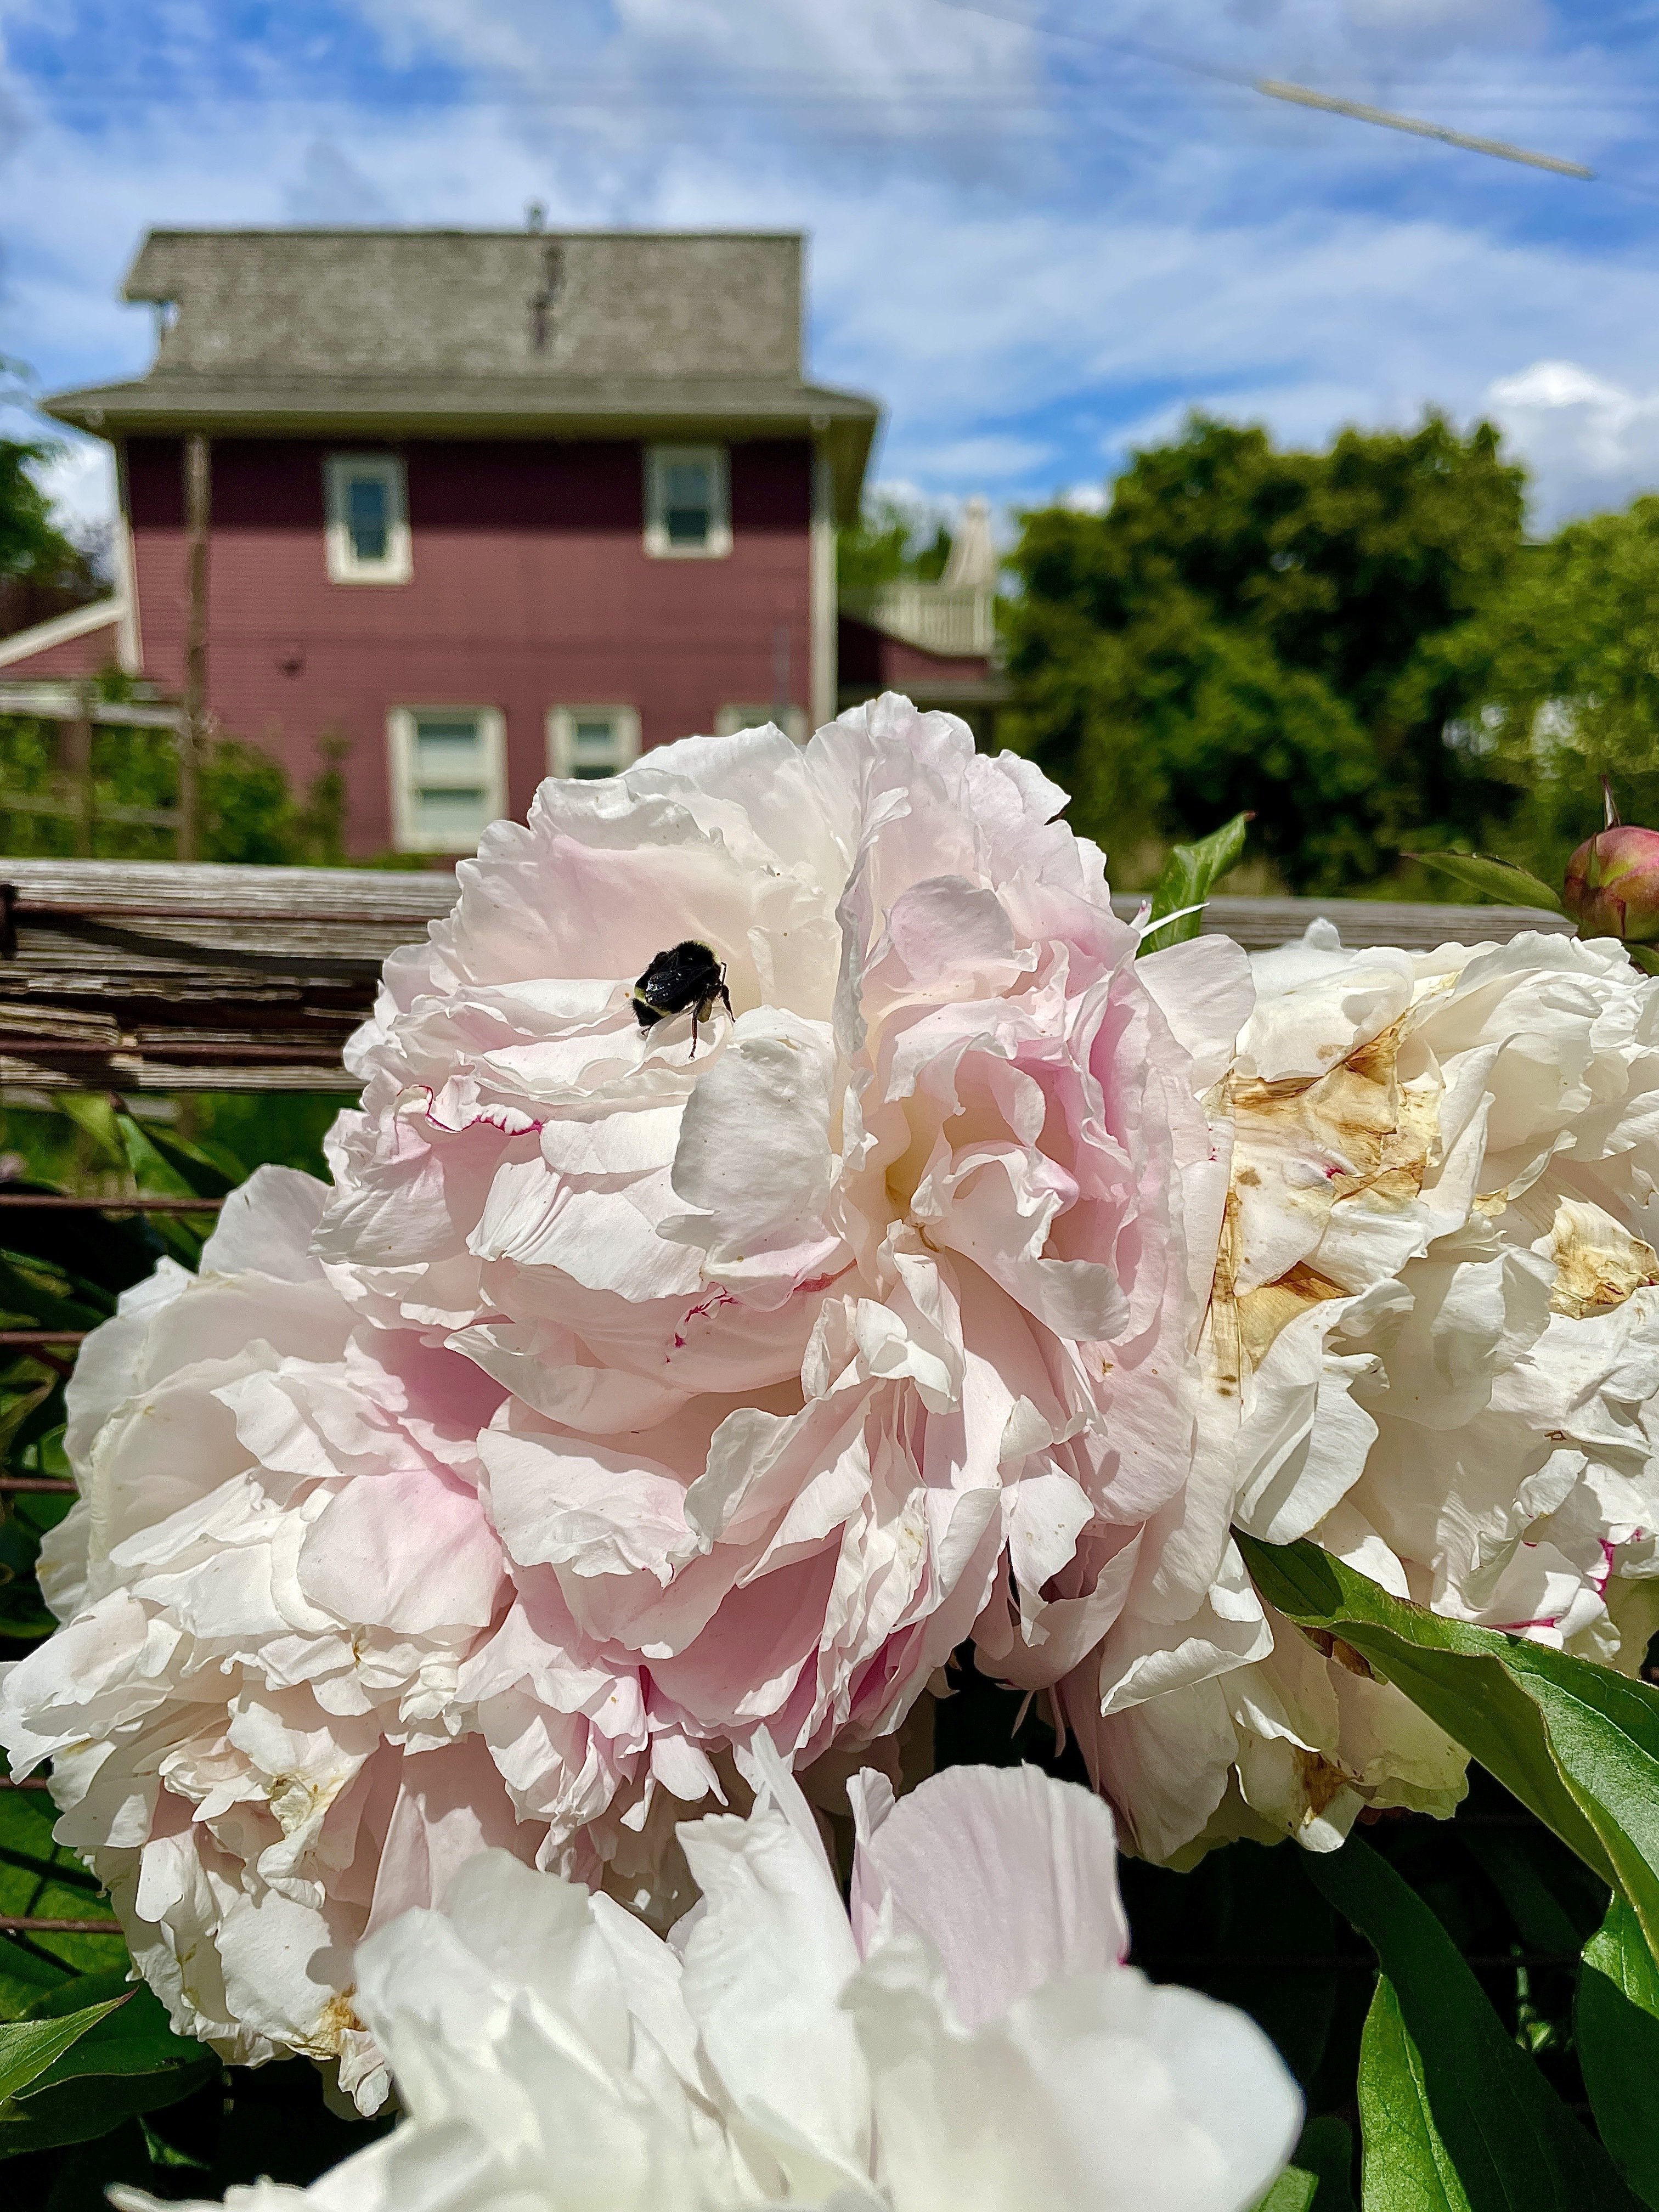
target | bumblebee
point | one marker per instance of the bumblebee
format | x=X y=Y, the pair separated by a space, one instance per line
x=686 y=979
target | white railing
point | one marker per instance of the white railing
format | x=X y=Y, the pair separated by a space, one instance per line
x=952 y=619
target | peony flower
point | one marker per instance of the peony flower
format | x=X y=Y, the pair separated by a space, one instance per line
x=276 y=1571
x=1433 y=1347
x=643 y=1398
x=972 y=2042
x=861 y=1319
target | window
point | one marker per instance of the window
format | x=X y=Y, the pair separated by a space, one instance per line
x=448 y=776
x=592 y=741
x=367 y=506
x=790 y=719
x=688 y=506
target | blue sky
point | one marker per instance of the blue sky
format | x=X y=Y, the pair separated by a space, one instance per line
x=1034 y=238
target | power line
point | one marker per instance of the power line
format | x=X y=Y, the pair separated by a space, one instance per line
x=1301 y=95
x=1304 y=97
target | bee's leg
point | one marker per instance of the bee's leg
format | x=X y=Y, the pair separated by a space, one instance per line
x=693 y=1054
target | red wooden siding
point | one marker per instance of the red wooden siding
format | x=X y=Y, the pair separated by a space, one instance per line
x=869 y=657
x=532 y=588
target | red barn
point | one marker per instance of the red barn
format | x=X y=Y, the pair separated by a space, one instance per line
x=485 y=505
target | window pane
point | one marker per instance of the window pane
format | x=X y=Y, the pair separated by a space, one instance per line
x=457 y=811
x=688 y=501
x=688 y=483
x=453 y=744
x=368 y=518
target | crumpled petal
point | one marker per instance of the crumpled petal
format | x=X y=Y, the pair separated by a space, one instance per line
x=1432 y=1346
x=551 y=2053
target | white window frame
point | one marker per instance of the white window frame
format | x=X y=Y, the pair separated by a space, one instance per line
x=397 y=566
x=562 y=735
x=659 y=460
x=401 y=723
x=728 y=720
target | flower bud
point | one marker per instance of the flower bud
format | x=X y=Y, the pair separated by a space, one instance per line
x=1611 y=886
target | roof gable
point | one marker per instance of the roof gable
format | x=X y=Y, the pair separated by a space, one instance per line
x=515 y=305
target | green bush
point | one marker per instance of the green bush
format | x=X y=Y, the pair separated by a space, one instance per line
x=249 y=811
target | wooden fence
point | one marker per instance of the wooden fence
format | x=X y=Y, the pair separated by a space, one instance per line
x=135 y=976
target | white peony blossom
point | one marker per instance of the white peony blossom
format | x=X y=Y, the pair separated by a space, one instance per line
x=638 y=1393
x=972 y=2042
x=1433 y=1347
x=272 y=1579
x=858 y=1322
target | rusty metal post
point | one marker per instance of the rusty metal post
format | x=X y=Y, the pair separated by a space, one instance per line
x=199 y=514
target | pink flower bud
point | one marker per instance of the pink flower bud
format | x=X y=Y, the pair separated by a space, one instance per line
x=1611 y=886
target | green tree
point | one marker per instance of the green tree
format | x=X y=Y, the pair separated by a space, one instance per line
x=891 y=541
x=1562 y=673
x=33 y=552
x=1248 y=627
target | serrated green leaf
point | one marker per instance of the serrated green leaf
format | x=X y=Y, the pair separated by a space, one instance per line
x=1406 y=2166
x=1454 y=2116
x=1576 y=1742
x=1188 y=877
x=1616 y=2027
x=1496 y=879
x=29 y=2047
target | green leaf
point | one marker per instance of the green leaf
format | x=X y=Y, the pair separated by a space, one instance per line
x=1496 y=879
x=1617 y=1952
x=29 y=2047
x=137 y=2039
x=163 y=1163
x=1406 y=2167
x=1519 y=1864
x=1616 y=2027
x=1293 y=2192
x=1188 y=875
x=1453 y=2114
x=1575 y=1742
x=71 y=2113
x=1325 y=2151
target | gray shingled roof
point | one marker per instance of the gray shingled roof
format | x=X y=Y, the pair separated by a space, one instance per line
x=459 y=333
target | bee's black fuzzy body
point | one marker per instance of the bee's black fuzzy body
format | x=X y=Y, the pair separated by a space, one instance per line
x=687 y=979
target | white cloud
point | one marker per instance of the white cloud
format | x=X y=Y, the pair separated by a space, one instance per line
x=1034 y=253
x=331 y=188
x=1591 y=442
x=990 y=457
x=79 y=480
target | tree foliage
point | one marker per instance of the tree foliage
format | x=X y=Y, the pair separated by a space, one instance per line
x=1245 y=629
x=30 y=542
x=892 y=540
x=250 y=812
x=41 y=571
x=1562 y=675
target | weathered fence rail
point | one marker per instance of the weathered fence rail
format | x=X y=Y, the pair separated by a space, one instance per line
x=141 y=975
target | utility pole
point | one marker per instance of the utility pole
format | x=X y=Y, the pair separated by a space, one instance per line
x=199 y=514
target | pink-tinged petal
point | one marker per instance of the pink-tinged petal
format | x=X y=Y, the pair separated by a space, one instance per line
x=266 y=1228
x=1010 y=1877
x=451 y=1805
x=410 y=1550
